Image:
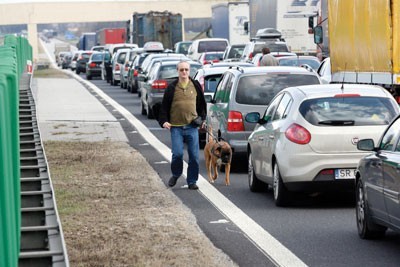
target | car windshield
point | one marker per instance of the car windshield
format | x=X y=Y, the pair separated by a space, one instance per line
x=347 y=111
x=259 y=89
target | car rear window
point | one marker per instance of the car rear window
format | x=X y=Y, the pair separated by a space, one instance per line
x=261 y=88
x=208 y=46
x=213 y=56
x=348 y=111
x=97 y=57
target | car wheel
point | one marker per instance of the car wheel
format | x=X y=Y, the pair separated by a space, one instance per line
x=281 y=194
x=366 y=228
x=255 y=185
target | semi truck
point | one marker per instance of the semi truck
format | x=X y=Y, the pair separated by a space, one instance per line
x=364 y=42
x=111 y=36
x=290 y=17
x=164 y=27
x=227 y=21
x=87 y=41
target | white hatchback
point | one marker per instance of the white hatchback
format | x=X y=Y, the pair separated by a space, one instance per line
x=307 y=138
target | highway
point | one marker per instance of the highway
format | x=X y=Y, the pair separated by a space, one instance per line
x=316 y=231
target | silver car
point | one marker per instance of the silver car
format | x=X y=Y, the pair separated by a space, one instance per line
x=307 y=138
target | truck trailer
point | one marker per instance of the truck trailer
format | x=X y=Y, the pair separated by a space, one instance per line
x=87 y=41
x=227 y=21
x=111 y=36
x=364 y=41
x=164 y=27
x=289 y=17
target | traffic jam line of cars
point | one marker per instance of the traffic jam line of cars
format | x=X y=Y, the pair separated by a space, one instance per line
x=298 y=132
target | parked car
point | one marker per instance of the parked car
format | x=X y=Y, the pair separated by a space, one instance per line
x=209 y=79
x=93 y=66
x=378 y=184
x=311 y=61
x=306 y=140
x=324 y=70
x=210 y=57
x=133 y=72
x=149 y=61
x=125 y=66
x=66 y=61
x=74 y=58
x=200 y=46
x=244 y=90
x=161 y=74
x=82 y=59
x=117 y=62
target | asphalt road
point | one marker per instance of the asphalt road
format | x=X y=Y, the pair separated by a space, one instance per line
x=316 y=231
x=320 y=231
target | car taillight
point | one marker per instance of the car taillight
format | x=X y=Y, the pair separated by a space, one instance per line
x=205 y=62
x=251 y=56
x=92 y=65
x=159 y=84
x=298 y=134
x=235 y=121
x=135 y=73
x=117 y=67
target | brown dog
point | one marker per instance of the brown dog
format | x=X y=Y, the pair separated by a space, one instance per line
x=217 y=153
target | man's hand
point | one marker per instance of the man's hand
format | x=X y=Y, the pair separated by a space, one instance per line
x=166 y=125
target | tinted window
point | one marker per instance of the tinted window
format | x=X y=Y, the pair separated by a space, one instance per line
x=97 y=57
x=347 y=111
x=261 y=88
x=211 y=82
x=213 y=56
x=208 y=46
x=297 y=62
x=388 y=140
x=278 y=48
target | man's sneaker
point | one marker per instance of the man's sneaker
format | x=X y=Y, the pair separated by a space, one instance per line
x=172 y=181
x=193 y=187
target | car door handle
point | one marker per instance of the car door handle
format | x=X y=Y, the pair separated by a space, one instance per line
x=271 y=136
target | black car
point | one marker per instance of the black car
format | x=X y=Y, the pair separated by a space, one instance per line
x=83 y=58
x=378 y=184
x=93 y=66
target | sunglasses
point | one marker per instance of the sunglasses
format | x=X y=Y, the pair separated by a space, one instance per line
x=183 y=70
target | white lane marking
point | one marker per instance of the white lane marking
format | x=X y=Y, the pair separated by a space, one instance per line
x=220 y=221
x=270 y=246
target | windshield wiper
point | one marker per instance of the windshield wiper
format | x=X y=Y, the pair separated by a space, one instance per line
x=337 y=122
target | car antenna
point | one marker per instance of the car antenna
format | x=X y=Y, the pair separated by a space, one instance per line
x=344 y=73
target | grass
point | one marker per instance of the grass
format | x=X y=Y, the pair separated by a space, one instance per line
x=115 y=211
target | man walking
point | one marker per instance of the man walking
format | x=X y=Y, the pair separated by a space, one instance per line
x=182 y=103
x=268 y=59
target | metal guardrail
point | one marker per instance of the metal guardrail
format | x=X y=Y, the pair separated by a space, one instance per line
x=42 y=241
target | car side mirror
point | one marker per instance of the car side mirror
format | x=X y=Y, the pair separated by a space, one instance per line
x=318 y=35
x=366 y=145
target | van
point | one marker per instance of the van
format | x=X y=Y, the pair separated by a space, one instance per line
x=206 y=45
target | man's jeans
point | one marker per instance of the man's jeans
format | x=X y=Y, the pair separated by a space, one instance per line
x=189 y=135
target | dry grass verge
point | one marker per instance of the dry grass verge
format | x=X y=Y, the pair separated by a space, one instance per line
x=115 y=211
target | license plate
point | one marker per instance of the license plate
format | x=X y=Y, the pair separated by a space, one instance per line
x=345 y=173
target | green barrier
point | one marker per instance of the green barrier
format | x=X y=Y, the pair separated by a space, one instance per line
x=13 y=59
x=9 y=168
